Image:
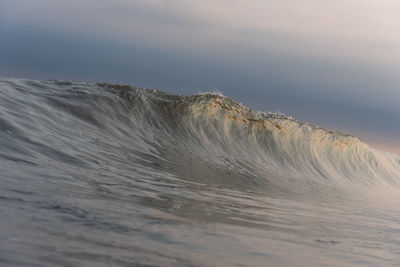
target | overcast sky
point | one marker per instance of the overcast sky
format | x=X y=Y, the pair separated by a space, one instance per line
x=332 y=63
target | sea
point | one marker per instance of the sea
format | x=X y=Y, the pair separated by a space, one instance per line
x=100 y=174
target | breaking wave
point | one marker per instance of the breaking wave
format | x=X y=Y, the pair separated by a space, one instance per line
x=104 y=174
x=205 y=138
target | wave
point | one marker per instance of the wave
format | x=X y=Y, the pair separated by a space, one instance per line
x=202 y=139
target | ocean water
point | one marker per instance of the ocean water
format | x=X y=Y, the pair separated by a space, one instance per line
x=110 y=175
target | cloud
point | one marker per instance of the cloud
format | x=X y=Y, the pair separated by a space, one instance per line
x=363 y=30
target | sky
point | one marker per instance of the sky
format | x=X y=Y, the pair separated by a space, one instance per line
x=335 y=64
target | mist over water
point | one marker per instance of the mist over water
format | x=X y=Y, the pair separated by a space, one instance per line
x=102 y=174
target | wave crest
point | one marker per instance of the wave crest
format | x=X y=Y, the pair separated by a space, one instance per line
x=204 y=138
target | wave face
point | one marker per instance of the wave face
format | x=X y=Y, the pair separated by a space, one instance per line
x=103 y=174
